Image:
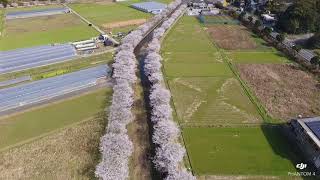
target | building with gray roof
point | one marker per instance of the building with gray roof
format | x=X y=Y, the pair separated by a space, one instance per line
x=150 y=7
x=307 y=135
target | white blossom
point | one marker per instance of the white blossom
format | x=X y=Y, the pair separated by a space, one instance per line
x=116 y=147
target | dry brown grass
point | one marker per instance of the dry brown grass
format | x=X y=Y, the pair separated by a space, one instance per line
x=231 y=37
x=285 y=90
x=71 y=153
x=140 y=164
x=120 y=24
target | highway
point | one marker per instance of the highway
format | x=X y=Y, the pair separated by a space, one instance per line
x=46 y=89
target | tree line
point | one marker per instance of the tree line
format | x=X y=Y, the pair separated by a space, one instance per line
x=303 y=16
x=115 y=146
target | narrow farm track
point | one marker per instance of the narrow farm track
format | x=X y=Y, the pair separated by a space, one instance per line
x=90 y=23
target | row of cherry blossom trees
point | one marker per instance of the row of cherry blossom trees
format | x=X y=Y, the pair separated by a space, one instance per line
x=115 y=146
x=169 y=152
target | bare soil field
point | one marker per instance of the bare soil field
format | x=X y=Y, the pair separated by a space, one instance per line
x=231 y=37
x=285 y=90
x=124 y=23
x=71 y=153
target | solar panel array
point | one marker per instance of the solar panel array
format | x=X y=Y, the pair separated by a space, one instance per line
x=315 y=127
x=35 y=13
x=27 y=58
x=14 y=81
x=149 y=6
x=46 y=89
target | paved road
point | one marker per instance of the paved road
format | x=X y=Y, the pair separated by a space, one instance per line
x=46 y=89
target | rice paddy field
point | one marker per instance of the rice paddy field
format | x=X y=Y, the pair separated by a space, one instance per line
x=242 y=46
x=224 y=133
x=219 y=19
x=28 y=32
x=210 y=92
x=30 y=125
x=256 y=57
x=211 y=101
x=242 y=150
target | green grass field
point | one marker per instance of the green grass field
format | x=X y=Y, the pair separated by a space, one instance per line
x=196 y=70
x=221 y=126
x=219 y=19
x=239 y=151
x=202 y=85
x=262 y=44
x=187 y=37
x=1 y=21
x=20 y=33
x=257 y=57
x=108 y=13
x=32 y=124
x=71 y=66
x=188 y=52
x=211 y=101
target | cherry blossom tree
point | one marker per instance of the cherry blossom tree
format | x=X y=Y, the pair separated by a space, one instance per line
x=169 y=153
x=116 y=147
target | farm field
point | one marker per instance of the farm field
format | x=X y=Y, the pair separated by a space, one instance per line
x=104 y=14
x=277 y=84
x=67 y=67
x=274 y=79
x=221 y=126
x=27 y=32
x=211 y=101
x=236 y=37
x=196 y=70
x=256 y=57
x=32 y=124
x=231 y=37
x=68 y=153
x=219 y=19
x=210 y=95
x=241 y=150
